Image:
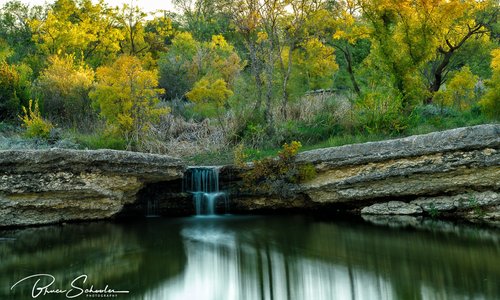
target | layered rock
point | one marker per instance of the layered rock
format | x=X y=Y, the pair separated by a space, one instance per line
x=440 y=166
x=454 y=172
x=48 y=186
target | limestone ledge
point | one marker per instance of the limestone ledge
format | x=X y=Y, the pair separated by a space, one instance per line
x=442 y=168
x=51 y=186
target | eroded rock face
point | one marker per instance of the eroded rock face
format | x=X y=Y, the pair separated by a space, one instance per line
x=49 y=186
x=442 y=166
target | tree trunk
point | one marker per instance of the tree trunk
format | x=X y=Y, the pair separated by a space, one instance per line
x=286 y=77
x=348 y=58
x=268 y=114
x=255 y=67
x=438 y=72
x=438 y=76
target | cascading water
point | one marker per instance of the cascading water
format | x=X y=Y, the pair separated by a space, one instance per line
x=152 y=209
x=203 y=183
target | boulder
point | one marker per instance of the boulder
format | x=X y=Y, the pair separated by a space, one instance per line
x=392 y=208
x=462 y=201
x=50 y=186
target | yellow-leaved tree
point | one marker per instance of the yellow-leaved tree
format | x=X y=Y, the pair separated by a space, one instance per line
x=491 y=100
x=127 y=97
x=214 y=92
x=317 y=62
x=410 y=36
x=459 y=92
x=84 y=28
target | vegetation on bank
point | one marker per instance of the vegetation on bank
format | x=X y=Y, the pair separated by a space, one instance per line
x=249 y=75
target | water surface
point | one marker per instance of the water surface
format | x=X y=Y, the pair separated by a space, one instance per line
x=252 y=257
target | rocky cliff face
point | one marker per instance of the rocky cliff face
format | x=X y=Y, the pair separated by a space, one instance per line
x=432 y=171
x=49 y=186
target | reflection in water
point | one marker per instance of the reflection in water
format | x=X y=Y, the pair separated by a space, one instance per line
x=219 y=267
x=260 y=258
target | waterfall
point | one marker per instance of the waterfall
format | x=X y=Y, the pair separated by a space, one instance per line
x=153 y=208
x=203 y=183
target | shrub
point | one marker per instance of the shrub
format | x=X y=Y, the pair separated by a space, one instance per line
x=240 y=156
x=64 y=86
x=36 y=126
x=9 y=102
x=381 y=112
x=276 y=174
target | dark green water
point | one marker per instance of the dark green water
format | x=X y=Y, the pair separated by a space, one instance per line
x=292 y=257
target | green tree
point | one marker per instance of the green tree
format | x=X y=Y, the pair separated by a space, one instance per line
x=189 y=61
x=64 y=86
x=9 y=89
x=15 y=28
x=131 y=20
x=174 y=66
x=407 y=35
x=204 y=18
x=158 y=33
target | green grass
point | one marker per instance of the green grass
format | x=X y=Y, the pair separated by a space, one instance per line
x=211 y=159
x=422 y=121
x=99 y=141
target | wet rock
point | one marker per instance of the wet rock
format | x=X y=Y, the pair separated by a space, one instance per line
x=462 y=201
x=392 y=208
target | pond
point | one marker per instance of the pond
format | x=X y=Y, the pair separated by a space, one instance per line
x=250 y=257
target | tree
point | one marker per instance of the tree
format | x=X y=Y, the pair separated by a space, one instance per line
x=459 y=91
x=15 y=28
x=246 y=18
x=81 y=28
x=131 y=20
x=189 y=61
x=294 y=32
x=468 y=19
x=270 y=12
x=174 y=66
x=204 y=18
x=15 y=85
x=343 y=18
x=9 y=89
x=158 y=33
x=64 y=86
x=491 y=100
x=407 y=35
x=127 y=98
x=212 y=92
x=317 y=63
